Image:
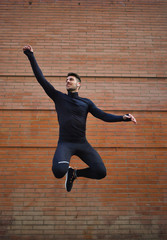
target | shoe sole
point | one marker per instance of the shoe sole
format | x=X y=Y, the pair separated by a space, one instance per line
x=66 y=179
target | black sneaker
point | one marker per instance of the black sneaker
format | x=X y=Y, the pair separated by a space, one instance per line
x=70 y=177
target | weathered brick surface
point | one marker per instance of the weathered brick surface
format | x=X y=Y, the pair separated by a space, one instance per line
x=119 y=49
x=108 y=93
x=130 y=199
x=40 y=129
x=97 y=38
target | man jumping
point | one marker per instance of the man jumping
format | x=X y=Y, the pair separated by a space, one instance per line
x=72 y=112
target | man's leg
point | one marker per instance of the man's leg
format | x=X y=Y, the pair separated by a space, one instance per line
x=90 y=156
x=61 y=160
x=87 y=153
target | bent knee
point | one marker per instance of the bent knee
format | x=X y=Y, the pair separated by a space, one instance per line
x=58 y=172
x=101 y=173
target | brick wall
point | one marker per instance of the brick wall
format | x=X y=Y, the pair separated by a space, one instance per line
x=119 y=48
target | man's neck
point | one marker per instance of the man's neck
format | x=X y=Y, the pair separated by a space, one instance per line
x=73 y=91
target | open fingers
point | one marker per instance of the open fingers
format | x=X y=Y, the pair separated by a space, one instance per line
x=132 y=118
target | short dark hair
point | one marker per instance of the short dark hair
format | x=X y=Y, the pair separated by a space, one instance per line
x=74 y=75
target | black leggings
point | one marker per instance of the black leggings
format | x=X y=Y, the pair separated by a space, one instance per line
x=64 y=152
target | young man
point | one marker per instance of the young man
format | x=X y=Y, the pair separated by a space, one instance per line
x=72 y=112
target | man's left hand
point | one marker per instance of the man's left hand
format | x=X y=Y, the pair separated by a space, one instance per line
x=129 y=117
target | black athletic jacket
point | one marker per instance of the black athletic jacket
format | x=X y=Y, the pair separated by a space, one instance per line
x=71 y=109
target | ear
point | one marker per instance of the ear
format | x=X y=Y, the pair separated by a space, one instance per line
x=78 y=84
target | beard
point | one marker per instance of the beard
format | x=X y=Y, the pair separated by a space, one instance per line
x=71 y=88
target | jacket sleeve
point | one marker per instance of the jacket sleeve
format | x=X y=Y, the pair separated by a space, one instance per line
x=48 y=88
x=107 y=117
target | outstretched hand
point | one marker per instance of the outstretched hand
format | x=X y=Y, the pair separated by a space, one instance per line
x=129 y=117
x=27 y=47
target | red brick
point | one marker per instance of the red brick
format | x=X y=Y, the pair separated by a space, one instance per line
x=119 y=49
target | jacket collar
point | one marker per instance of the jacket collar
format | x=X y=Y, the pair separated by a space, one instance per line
x=73 y=95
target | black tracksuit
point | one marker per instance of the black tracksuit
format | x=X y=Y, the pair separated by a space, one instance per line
x=72 y=113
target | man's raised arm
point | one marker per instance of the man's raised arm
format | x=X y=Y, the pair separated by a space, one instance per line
x=49 y=89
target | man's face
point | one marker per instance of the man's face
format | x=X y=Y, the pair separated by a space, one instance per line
x=72 y=84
